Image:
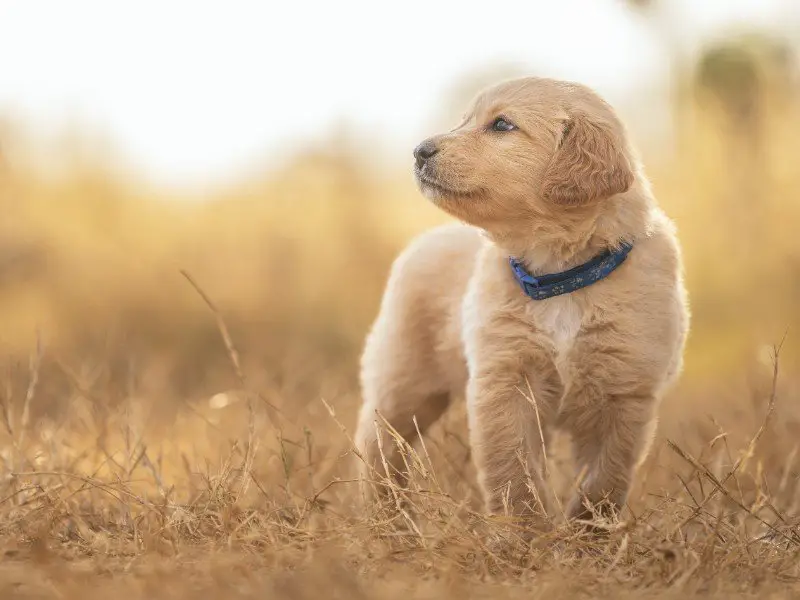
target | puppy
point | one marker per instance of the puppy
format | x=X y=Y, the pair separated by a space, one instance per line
x=540 y=171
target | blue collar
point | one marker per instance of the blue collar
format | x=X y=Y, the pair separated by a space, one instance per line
x=547 y=286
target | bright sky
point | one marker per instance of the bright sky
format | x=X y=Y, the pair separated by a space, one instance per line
x=191 y=90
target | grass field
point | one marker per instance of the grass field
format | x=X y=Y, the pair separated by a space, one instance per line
x=145 y=454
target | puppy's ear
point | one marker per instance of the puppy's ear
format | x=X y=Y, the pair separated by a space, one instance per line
x=590 y=164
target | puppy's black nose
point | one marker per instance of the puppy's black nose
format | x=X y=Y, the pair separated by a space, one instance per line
x=424 y=151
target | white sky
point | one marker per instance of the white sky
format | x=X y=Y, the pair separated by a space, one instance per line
x=192 y=90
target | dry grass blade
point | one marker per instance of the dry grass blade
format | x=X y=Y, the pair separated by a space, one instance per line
x=33 y=382
x=227 y=339
x=751 y=446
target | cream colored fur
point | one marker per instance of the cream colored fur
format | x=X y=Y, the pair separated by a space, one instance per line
x=559 y=188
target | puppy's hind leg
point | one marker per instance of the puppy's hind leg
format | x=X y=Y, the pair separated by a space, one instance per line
x=383 y=462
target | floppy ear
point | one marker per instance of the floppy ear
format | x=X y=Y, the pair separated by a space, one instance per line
x=589 y=165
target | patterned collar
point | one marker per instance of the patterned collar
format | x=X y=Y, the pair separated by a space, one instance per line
x=547 y=286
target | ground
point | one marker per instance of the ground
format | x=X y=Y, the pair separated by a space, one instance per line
x=239 y=496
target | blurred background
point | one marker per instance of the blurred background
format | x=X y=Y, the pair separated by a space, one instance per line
x=265 y=148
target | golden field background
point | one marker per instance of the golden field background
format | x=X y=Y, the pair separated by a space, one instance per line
x=141 y=456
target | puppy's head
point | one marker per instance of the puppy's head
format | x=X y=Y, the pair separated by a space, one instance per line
x=526 y=148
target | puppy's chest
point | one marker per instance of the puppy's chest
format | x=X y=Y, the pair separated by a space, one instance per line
x=559 y=319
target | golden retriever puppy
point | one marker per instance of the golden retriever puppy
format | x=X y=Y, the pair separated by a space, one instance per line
x=560 y=302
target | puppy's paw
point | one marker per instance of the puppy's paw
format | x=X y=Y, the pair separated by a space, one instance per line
x=596 y=518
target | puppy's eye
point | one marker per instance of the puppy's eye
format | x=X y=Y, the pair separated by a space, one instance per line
x=501 y=124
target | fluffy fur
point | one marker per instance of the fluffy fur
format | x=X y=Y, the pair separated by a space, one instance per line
x=558 y=188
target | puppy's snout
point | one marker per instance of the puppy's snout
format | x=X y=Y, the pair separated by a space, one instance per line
x=424 y=151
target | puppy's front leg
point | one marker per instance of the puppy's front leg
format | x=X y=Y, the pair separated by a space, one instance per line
x=505 y=435
x=608 y=408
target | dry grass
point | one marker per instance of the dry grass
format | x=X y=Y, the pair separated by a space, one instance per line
x=169 y=436
x=101 y=502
